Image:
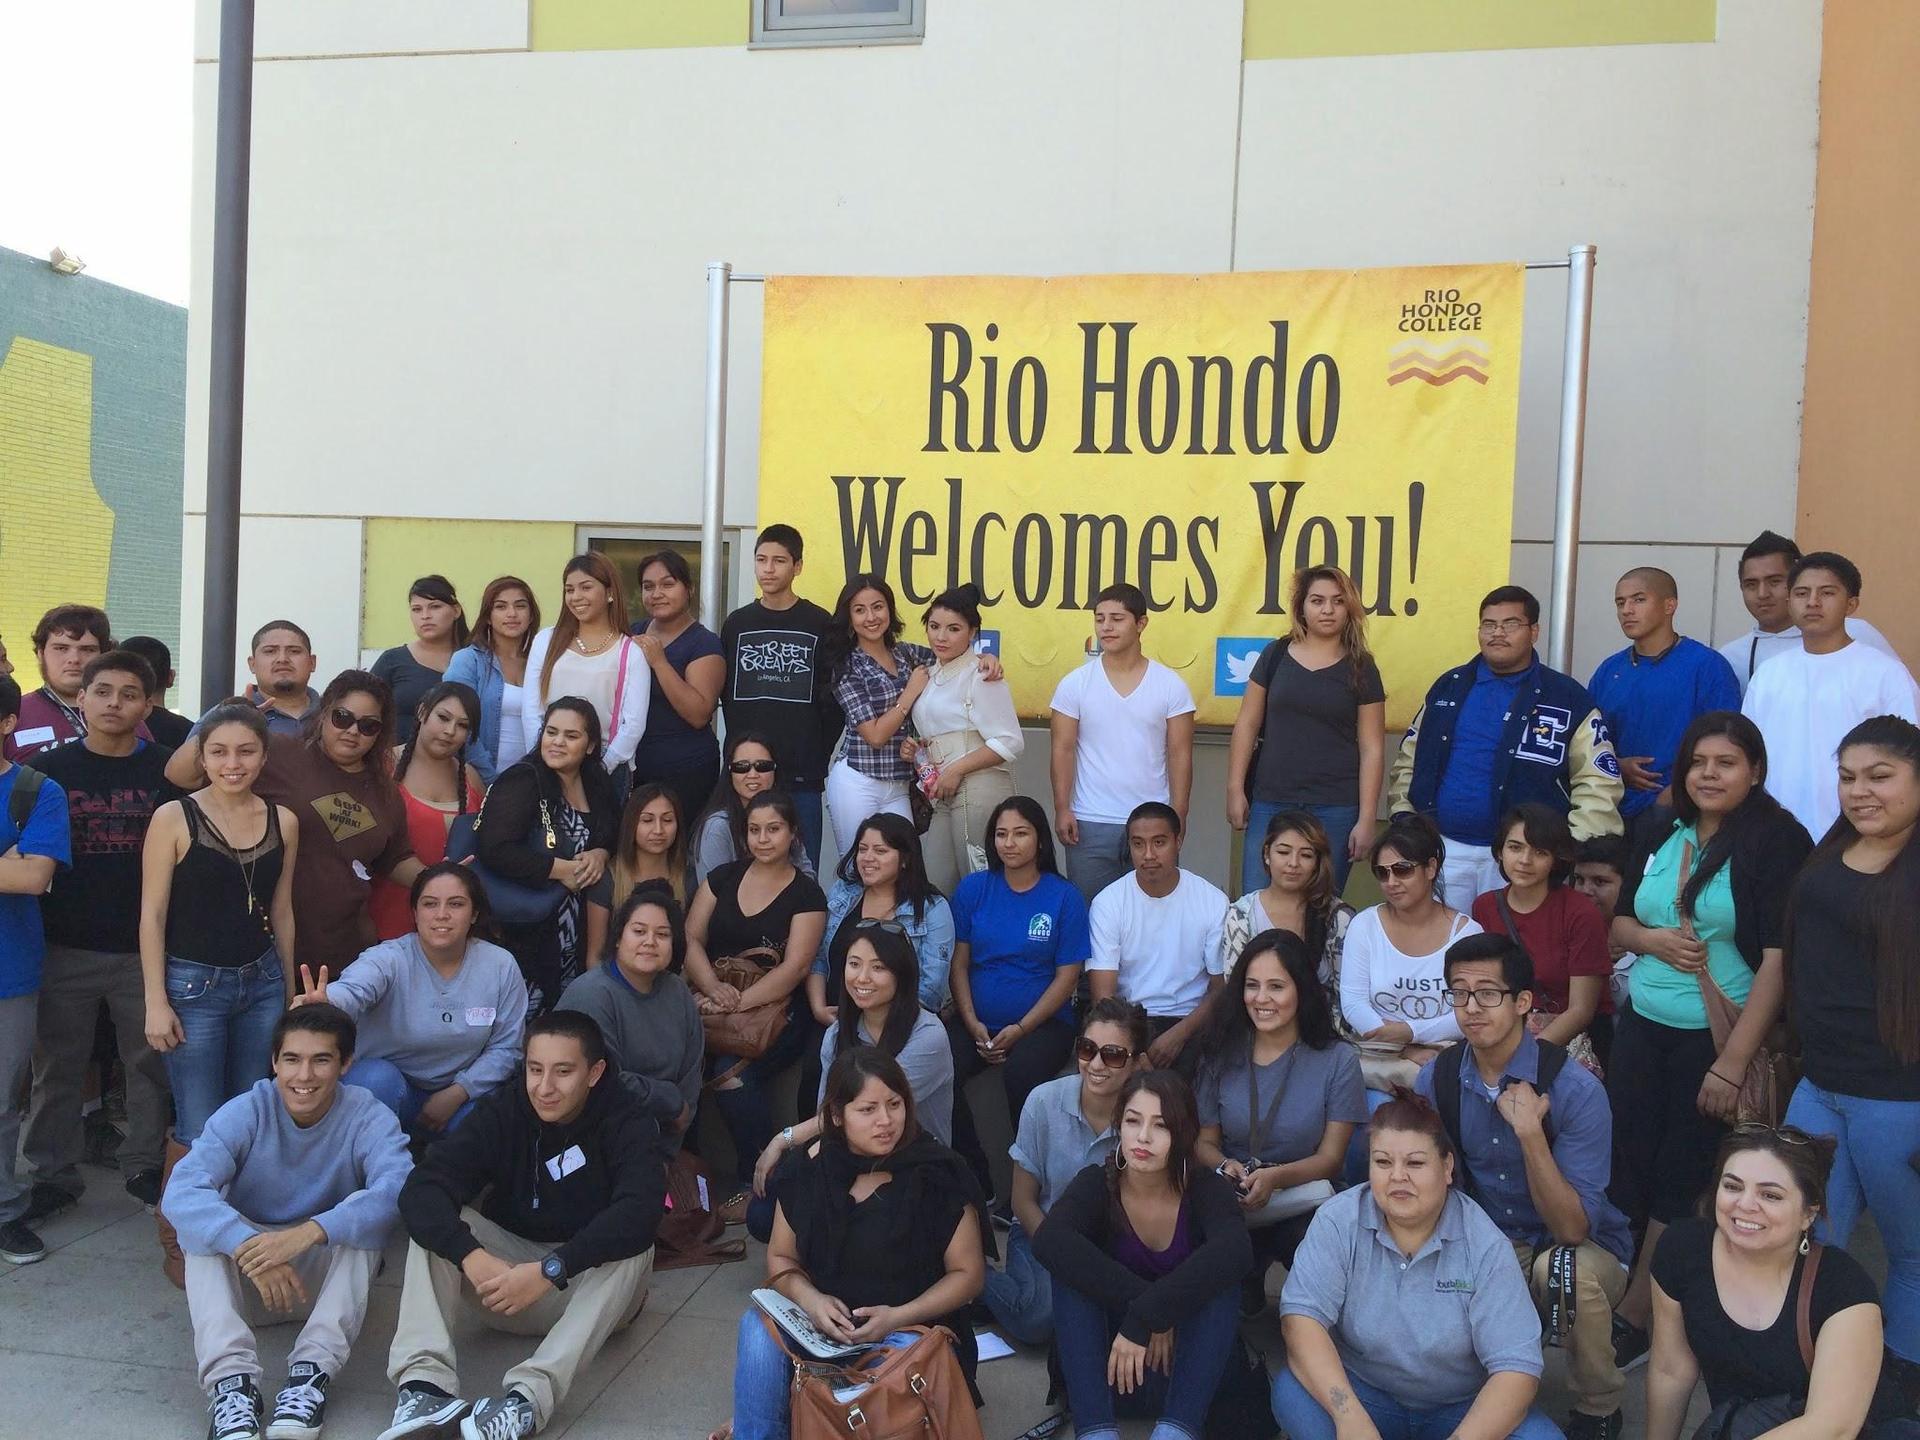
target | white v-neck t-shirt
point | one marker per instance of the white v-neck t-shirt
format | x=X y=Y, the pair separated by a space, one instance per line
x=1120 y=761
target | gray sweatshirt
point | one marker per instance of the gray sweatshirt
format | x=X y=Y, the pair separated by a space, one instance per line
x=464 y=1031
x=655 y=1040
x=253 y=1169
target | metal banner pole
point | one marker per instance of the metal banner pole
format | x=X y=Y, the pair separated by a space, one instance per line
x=227 y=373
x=1573 y=444
x=714 y=488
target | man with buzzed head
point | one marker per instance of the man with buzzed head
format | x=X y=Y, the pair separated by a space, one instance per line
x=1652 y=690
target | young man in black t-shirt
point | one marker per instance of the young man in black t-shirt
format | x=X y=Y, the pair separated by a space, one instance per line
x=774 y=685
x=114 y=782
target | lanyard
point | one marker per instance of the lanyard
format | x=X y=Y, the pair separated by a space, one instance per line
x=73 y=716
x=1259 y=1124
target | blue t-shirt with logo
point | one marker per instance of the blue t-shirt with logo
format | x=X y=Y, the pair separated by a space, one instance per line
x=1465 y=805
x=1016 y=940
x=23 y=943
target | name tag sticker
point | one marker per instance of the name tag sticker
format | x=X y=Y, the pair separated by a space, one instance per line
x=360 y=871
x=566 y=1162
x=480 y=1015
x=39 y=735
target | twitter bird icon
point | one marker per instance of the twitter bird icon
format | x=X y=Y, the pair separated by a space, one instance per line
x=1234 y=657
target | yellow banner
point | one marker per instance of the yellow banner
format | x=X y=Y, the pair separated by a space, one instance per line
x=1201 y=436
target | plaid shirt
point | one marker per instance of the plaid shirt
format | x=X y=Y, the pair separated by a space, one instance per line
x=866 y=692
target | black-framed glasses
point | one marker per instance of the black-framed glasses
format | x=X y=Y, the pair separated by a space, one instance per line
x=1399 y=869
x=1759 y=1129
x=1485 y=996
x=1084 y=1050
x=892 y=927
x=342 y=718
x=755 y=767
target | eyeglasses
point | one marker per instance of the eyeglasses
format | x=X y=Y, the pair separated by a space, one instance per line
x=892 y=927
x=1503 y=627
x=1785 y=1134
x=1486 y=997
x=1115 y=1055
x=756 y=767
x=1399 y=869
x=342 y=718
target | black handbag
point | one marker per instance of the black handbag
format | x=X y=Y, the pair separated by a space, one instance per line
x=512 y=902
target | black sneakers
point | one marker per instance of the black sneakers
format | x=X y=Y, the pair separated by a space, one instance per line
x=235 y=1408
x=1630 y=1345
x=144 y=1186
x=45 y=1199
x=422 y=1409
x=301 y=1408
x=503 y=1417
x=1593 y=1427
x=19 y=1245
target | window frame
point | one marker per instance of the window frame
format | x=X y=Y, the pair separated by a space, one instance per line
x=771 y=30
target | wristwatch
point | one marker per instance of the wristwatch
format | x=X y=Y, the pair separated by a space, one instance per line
x=786 y=1134
x=555 y=1269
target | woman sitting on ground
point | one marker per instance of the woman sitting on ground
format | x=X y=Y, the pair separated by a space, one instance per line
x=877 y=1231
x=1279 y=1095
x=1786 y=1333
x=440 y=1010
x=1147 y=1253
x=1404 y=1313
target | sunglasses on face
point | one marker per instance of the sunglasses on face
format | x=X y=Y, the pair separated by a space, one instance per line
x=1399 y=869
x=1115 y=1055
x=753 y=767
x=342 y=718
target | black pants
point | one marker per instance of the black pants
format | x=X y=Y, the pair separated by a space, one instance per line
x=1663 y=1146
x=1034 y=1060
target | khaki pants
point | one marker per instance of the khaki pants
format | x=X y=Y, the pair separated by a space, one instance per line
x=226 y=1309
x=74 y=984
x=1599 y=1282
x=574 y=1322
x=955 y=844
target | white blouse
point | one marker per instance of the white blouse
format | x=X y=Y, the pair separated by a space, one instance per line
x=957 y=699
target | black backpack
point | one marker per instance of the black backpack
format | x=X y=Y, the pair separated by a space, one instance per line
x=26 y=792
x=1446 y=1099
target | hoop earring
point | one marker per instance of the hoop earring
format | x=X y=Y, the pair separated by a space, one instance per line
x=1805 y=1244
x=1119 y=1160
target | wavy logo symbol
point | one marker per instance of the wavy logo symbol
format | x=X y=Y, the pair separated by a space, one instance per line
x=1413 y=360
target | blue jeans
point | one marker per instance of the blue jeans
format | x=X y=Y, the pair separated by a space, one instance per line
x=1873 y=1170
x=1303 y=1418
x=761 y=1375
x=1202 y=1345
x=1338 y=821
x=1099 y=859
x=227 y=1015
x=1021 y=1295
x=806 y=804
x=747 y=1108
x=393 y=1090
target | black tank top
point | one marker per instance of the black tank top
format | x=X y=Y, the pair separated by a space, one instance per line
x=220 y=911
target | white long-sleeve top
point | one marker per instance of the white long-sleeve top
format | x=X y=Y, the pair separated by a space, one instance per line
x=613 y=700
x=1379 y=983
x=958 y=699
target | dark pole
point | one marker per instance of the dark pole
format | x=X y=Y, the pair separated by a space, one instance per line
x=227 y=379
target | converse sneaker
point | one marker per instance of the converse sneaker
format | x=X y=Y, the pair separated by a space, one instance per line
x=301 y=1407
x=235 y=1409
x=1582 y=1426
x=19 y=1245
x=503 y=1417
x=423 y=1409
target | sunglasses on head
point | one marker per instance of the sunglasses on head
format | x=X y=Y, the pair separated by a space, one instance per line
x=1399 y=869
x=892 y=927
x=1115 y=1055
x=342 y=718
x=1785 y=1134
x=755 y=767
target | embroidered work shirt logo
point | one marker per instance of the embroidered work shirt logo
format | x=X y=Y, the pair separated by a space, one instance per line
x=1040 y=927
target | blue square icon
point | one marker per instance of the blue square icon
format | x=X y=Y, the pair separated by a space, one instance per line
x=1233 y=661
x=987 y=642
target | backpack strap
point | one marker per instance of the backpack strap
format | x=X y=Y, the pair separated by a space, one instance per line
x=1446 y=1098
x=26 y=793
x=1803 y=1305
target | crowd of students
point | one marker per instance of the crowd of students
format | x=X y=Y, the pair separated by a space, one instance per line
x=467 y=942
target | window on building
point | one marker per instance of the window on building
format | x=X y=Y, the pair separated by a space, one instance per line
x=627 y=548
x=838 y=22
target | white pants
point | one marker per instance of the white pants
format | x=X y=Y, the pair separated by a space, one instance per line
x=1467 y=873
x=852 y=797
x=225 y=1309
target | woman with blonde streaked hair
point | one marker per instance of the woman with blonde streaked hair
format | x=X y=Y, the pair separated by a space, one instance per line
x=587 y=653
x=1312 y=729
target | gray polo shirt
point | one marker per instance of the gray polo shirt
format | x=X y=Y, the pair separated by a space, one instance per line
x=1055 y=1143
x=1427 y=1330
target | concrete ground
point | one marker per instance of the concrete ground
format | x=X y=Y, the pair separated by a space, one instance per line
x=94 y=1340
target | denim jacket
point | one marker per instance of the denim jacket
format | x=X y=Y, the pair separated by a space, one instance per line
x=932 y=937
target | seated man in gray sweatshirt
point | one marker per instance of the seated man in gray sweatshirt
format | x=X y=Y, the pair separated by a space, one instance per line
x=283 y=1207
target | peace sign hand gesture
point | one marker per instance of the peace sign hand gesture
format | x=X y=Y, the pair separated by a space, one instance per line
x=311 y=992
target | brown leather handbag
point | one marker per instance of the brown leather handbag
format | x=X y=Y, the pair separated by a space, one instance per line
x=745 y=1034
x=916 y=1393
x=1772 y=1073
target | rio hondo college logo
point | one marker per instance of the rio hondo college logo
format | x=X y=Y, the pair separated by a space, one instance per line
x=1443 y=343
